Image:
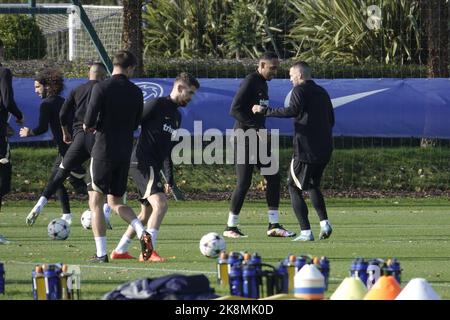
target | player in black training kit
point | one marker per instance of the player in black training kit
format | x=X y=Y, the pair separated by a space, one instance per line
x=254 y=90
x=160 y=120
x=48 y=85
x=7 y=105
x=113 y=113
x=313 y=114
x=80 y=146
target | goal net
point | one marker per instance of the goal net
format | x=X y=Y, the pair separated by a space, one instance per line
x=67 y=38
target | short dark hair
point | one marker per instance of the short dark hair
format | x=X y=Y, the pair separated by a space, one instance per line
x=124 y=59
x=99 y=66
x=268 y=55
x=188 y=79
x=52 y=79
x=304 y=67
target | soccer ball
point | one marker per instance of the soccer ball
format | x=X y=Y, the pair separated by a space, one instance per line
x=211 y=244
x=58 y=229
x=86 y=219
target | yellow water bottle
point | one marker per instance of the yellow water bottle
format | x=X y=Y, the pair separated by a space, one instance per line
x=64 y=287
x=222 y=269
x=38 y=283
x=291 y=273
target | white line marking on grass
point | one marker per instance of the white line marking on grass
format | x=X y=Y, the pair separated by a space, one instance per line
x=119 y=268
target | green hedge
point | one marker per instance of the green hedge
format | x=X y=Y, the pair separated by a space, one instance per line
x=375 y=168
x=163 y=68
x=159 y=68
x=22 y=37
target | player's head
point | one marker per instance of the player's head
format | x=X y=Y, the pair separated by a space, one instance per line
x=48 y=82
x=125 y=62
x=268 y=65
x=97 y=71
x=184 y=88
x=299 y=72
x=2 y=49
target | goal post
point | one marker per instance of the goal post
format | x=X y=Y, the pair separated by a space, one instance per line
x=69 y=28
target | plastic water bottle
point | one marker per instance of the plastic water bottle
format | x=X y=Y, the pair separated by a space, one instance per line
x=2 y=278
x=38 y=283
x=324 y=267
x=359 y=269
x=53 y=289
x=250 y=288
x=64 y=276
x=300 y=262
x=222 y=269
x=373 y=272
x=283 y=278
x=256 y=260
x=235 y=278
x=234 y=257
x=290 y=268
x=395 y=269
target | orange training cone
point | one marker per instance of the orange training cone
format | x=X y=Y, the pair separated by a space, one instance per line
x=386 y=288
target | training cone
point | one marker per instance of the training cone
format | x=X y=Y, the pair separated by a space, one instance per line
x=309 y=283
x=386 y=288
x=418 y=289
x=351 y=288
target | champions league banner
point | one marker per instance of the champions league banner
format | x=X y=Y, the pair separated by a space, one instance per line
x=363 y=107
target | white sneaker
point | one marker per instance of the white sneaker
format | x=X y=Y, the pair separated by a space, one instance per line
x=67 y=218
x=32 y=216
x=3 y=240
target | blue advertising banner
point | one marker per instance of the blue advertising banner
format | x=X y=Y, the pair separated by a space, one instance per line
x=363 y=107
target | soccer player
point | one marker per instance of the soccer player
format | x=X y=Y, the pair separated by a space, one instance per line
x=79 y=144
x=113 y=113
x=7 y=105
x=313 y=114
x=160 y=120
x=254 y=90
x=48 y=85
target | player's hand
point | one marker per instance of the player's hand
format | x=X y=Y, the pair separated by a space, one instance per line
x=67 y=138
x=258 y=108
x=167 y=188
x=24 y=132
x=88 y=130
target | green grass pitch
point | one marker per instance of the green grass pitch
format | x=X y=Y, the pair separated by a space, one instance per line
x=416 y=231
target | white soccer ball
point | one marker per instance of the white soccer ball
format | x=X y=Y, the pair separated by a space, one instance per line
x=58 y=229
x=211 y=244
x=86 y=219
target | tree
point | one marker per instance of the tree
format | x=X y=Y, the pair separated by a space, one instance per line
x=132 y=30
x=435 y=24
x=22 y=37
x=240 y=36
